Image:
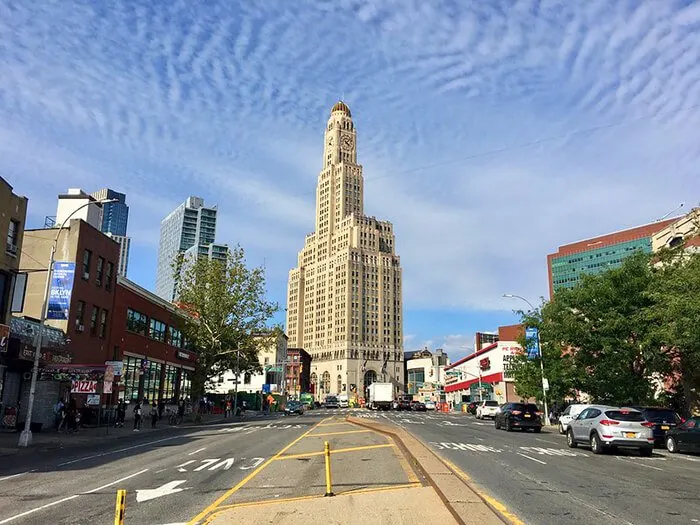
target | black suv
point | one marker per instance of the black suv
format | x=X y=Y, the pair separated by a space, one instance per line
x=661 y=420
x=519 y=415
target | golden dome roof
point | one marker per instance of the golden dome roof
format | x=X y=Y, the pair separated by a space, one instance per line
x=341 y=106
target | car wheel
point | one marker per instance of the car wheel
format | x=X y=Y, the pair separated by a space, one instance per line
x=671 y=445
x=561 y=429
x=570 y=441
x=646 y=452
x=495 y=423
x=508 y=427
x=596 y=444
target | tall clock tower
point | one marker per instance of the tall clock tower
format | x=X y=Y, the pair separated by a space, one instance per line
x=344 y=302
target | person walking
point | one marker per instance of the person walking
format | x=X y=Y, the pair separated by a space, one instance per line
x=137 y=416
x=59 y=413
x=154 y=414
x=121 y=413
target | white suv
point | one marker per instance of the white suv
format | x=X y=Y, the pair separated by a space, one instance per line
x=569 y=415
x=486 y=409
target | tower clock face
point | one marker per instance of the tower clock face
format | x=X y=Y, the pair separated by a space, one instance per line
x=346 y=143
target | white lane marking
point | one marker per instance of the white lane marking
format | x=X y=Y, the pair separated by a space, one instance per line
x=37 y=509
x=181 y=468
x=638 y=464
x=464 y=446
x=198 y=450
x=226 y=463
x=207 y=463
x=549 y=451
x=164 y=490
x=255 y=462
x=548 y=441
x=15 y=475
x=161 y=470
x=116 y=451
x=62 y=500
x=533 y=459
x=115 y=482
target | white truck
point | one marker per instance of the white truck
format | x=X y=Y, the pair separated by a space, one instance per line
x=381 y=395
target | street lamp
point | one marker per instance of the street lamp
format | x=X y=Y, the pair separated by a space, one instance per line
x=539 y=346
x=25 y=437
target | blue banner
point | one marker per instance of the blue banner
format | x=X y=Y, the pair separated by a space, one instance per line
x=533 y=343
x=61 y=290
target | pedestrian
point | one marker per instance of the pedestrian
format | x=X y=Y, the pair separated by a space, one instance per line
x=228 y=408
x=72 y=415
x=161 y=409
x=154 y=414
x=137 y=416
x=121 y=413
x=59 y=414
x=181 y=411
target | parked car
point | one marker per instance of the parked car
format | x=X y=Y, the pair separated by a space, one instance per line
x=343 y=401
x=663 y=419
x=487 y=409
x=471 y=407
x=430 y=405
x=405 y=402
x=518 y=415
x=685 y=437
x=605 y=427
x=294 y=407
x=331 y=402
x=418 y=406
x=569 y=414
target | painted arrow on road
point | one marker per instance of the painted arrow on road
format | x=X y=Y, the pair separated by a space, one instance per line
x=165 y=490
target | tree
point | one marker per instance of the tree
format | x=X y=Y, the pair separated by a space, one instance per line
x=600 y=329
x=226 y=306
x=675 y=318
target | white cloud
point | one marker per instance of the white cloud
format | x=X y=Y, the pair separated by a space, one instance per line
x=229 y=102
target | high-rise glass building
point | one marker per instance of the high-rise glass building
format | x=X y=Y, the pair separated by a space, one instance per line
x=115 y=218
x=188 y=229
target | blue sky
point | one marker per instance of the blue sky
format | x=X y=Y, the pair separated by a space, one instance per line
x=227 y=100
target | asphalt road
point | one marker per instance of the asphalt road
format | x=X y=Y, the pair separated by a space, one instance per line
x=197 y=464
x=541 y=480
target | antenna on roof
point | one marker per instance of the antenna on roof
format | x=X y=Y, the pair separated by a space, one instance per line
x=671 y=212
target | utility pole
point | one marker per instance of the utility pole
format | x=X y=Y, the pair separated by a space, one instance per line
x=238 y=371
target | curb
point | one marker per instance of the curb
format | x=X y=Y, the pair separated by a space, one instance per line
x=451 y=474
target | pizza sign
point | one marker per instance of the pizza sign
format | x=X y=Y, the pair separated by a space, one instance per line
x=83 y=387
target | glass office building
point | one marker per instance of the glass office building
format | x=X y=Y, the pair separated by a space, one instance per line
x=115 y=219
x=592 y=256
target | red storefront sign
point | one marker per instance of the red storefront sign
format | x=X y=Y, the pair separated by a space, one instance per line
x=83 y=387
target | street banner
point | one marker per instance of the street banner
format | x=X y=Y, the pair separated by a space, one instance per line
x=107 y=387
x=61 y=290
x=533 y=343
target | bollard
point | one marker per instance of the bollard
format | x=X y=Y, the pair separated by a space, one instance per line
x=329 y=489
x=120 y=508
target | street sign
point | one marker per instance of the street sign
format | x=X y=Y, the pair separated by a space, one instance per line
x=266 y=388
x=532 y=337
x=545 y=383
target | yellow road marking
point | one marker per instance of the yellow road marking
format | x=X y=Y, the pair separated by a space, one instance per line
x=336 y=451
x=250 y=476
x=334 y=424
x=500 y=507
x=340 y=433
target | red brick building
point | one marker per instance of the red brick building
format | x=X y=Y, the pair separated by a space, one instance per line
x=298 y=377
x=146 y=339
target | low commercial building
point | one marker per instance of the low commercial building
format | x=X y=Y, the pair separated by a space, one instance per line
x=425 y=374
x=272 y=358
x=487 y=373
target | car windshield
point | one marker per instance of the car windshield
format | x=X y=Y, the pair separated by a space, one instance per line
x=331 y=399
x=661 y=415
x=624 y=415
x=491 y=403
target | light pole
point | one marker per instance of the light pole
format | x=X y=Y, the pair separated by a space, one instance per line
x=539 y=346
x=238 y=371
x=25 y=437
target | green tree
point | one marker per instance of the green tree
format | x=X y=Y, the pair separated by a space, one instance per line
x=675 y=319
x=600 y=330
x=227 y=311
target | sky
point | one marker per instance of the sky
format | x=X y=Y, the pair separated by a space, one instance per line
x=490 y=132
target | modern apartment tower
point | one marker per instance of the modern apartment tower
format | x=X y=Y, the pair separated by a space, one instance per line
x=115 y=218
x=344 y=303
x=190 y=229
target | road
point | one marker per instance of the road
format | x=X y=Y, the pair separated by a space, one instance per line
x=172 y=476
x=196 y=463
x=541 y=480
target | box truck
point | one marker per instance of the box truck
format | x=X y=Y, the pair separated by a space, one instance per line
x=381 y=395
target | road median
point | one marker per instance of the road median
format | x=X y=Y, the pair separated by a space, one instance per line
x=465 y=502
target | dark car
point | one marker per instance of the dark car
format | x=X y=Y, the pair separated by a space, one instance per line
x=294 y=407
x=405 y=403
x=418 y=406
x=471 y=407
x=685 y=437
x=660 y=420
x=332 y=402
x=519 y=415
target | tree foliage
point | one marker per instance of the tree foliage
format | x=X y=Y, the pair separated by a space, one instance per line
x=227 y=311
x=617 y=334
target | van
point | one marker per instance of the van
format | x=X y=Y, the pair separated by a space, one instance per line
x=569 y=415
x=343 y=401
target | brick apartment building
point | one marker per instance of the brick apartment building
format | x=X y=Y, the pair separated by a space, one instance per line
x=298 y=376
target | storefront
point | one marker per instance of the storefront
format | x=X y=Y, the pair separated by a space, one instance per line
x=148 y=379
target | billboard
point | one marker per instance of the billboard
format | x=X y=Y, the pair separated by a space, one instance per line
x=533 y=342
x=60 y=291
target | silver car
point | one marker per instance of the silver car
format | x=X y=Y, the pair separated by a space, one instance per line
x=603 y=427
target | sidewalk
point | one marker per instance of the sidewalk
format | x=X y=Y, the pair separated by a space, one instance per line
x=374 y=476
x=52 y=440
